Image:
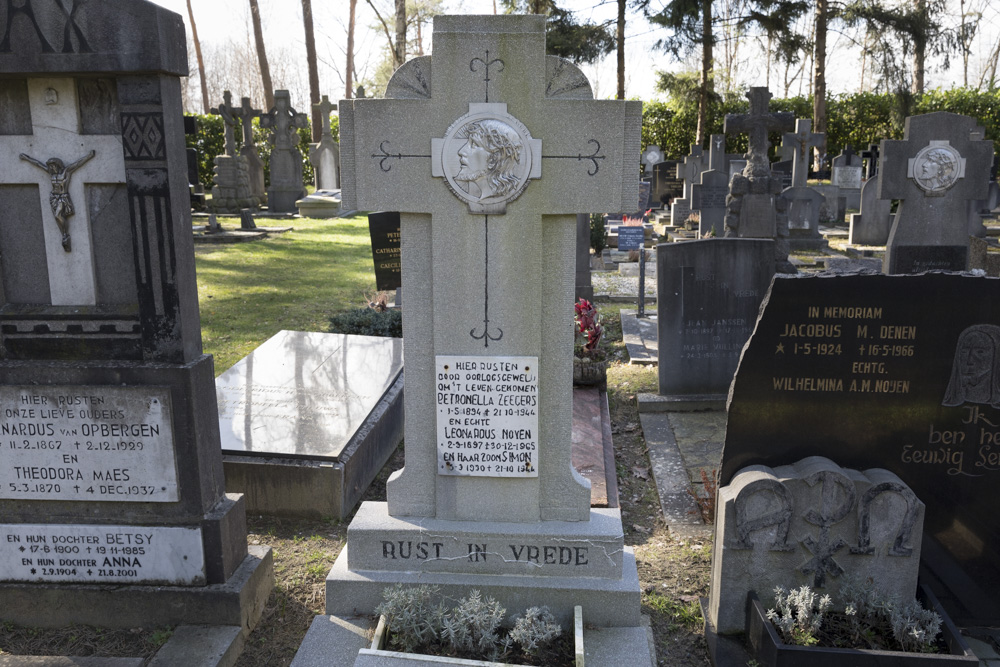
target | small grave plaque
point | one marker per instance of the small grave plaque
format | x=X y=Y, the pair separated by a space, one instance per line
x=487 y=416
x=101 y=554
x=87 y=443
x=384 y=230
x=847 y=177
x=630 y=237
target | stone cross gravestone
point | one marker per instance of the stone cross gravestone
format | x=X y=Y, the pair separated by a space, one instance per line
x=896 y=372
x=708 y=294
x=476 y=163
x=255 y=165
x=754 y=208
x=811 y=523
x=325 y=155
x=846 y=172
x=112 y=487
x=233 y=181
x=870 y=157
x=690 y=171
x=286 y=160
x=934 y=170
x=801 y=141
x=651 y=156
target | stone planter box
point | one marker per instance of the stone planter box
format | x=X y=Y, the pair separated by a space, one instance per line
x=587 y=372
x=765 y=645
x=376 y=657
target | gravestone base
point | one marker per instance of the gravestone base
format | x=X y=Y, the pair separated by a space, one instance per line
x=283 y=199
x=238 y=601
x=338 y=639
x=319 y=488
x=320 y=204
x=554 y=563
x=806 y=241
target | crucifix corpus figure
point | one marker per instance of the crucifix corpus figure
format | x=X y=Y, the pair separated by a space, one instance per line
x=62 y=205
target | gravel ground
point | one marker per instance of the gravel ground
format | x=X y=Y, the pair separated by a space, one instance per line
x=613 y=284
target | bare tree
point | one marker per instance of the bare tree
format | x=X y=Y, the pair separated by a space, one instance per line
x=819 y=71
x=201 y=61
x=620 y=36
x=265 y=70
x=349 y=76
x=400 y=53
x=307 y=22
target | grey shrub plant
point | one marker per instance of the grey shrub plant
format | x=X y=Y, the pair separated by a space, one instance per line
x=473 y=627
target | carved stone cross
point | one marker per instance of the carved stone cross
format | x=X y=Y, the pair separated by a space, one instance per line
x=246 y=113
x=758 y=124
x=229 y=114
x=325 y=108
x=286 y=160
x=55 y=118
x=935 y=170
x=507 y=145
x=801 y=141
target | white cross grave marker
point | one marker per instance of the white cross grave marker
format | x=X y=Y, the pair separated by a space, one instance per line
x=55 y=119
x=489 y=161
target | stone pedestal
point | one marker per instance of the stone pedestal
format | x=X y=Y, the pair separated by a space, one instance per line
x=231 y=192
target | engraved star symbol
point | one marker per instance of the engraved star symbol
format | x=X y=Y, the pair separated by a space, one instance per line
x=33 y=570
x=781 y=349
x=21 y=548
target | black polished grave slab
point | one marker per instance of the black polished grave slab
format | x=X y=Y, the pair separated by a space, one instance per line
x=896 y=372
x=308 y=419
x=666 y=184
x=708 y=294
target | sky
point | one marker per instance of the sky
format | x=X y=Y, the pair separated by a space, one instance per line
x=221 y=21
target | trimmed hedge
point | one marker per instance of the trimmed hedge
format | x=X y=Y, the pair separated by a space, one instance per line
x=857 y=119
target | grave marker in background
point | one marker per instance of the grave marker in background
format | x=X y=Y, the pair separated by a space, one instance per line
x=935 y=171
x=286 y=160
x=384 y=230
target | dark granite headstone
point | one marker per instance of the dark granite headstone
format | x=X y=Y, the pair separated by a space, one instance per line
x=708 y=294
x=894 y=372
x=384 y=230
x=666 y=184
x=783 y=172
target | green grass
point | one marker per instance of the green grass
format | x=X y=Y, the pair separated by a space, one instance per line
x=297 y=280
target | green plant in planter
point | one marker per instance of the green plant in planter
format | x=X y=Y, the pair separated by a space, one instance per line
x=799 y=614
x=871 y=620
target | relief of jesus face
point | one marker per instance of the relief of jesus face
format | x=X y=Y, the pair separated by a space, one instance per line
x=489 y=158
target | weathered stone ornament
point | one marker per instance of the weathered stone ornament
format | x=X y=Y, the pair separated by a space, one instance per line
x=936 y=168
x=487 y=158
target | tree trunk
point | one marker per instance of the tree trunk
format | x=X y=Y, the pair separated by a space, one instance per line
x=265 y=71
x=621 y=50
x=201 y=63
x=307 y=22
x=919 y=51
x=819 y=72
x=707 y=65
x=400 y=54
x=349 y=76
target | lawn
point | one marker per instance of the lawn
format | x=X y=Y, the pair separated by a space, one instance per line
x=250 y=291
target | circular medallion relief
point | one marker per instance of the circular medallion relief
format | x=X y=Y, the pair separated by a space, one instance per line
x=936 y=168
x=486 y=159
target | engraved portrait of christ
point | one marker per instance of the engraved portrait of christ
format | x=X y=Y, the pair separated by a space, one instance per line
x=489 y=160
x=974 y=376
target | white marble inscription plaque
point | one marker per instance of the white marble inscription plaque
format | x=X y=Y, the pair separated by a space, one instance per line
x=487 y=416
x=101 y=554
x=87 y=443
x=847 y=177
